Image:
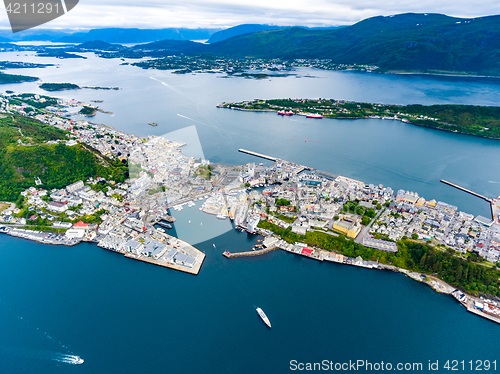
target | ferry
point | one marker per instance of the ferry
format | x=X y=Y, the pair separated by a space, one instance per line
x=166 y=225
x=263 y=316
x=314 y=115
x=285 y=113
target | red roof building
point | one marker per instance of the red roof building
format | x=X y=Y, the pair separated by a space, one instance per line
x=307 y=251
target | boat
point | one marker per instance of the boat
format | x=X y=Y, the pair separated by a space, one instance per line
x=152 y=124
x=263 y=316
x=314 y=115
x=78 y=360
x=189 y=221
x=214 y=245
x=221 y=216
x=166 y=225
x=285 y=113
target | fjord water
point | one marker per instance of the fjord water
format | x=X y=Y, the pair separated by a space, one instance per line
x=124 y=316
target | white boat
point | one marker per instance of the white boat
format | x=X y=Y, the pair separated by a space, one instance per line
x=214 y=246
x=221 y=216
x=189 y=221
x=78 y=360
x=263 y=316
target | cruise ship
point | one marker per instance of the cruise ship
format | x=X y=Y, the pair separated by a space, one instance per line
x=241 y=215
x=314 y=115
x=264 y=317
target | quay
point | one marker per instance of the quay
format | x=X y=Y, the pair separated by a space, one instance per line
x=467 y=190
x=470 y=308
x=249 y=253
x=194 y=270
x=257 y=154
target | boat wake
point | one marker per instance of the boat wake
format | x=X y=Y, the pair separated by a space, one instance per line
x=493 y=182
x=68 y=359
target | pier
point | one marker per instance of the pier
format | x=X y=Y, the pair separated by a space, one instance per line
x=257 y=154
x=467 y=190
x=249 y=253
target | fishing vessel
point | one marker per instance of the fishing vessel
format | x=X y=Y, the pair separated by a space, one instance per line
x=263 y=316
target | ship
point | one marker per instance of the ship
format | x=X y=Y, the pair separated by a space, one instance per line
x=166 y=225
x=285 y=113
x=314 y=115
x=221 y=216
x=263 y=316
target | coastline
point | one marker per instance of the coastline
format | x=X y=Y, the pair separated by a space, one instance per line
x=363 y=118
x=438 y=285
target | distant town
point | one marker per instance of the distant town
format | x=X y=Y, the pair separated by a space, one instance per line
x=294 y=207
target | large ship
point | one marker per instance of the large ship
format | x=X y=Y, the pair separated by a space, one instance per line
x=314 y=115
x=285 y=113
x=264 y=317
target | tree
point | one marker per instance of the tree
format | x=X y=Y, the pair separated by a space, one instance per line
x=379 y=206
x=414 y=236
x=365 y=220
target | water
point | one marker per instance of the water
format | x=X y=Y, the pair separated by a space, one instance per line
x=125 y=316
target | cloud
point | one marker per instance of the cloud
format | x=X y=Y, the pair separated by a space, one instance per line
x=226 y=13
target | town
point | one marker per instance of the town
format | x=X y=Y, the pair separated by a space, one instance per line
x=133 y=217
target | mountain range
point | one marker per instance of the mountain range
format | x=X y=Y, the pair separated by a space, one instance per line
x=407 y=42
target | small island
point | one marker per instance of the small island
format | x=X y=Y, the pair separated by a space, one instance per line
x=88 y=111
x=59 y=86
x=71 y=86
x=483 y=121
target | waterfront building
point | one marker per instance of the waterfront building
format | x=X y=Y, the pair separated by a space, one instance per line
x=348 y=226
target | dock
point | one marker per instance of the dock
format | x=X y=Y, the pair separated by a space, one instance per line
x=470 y=308
x=249 y=253
x=467 y=190
x=256 y=154
x=194 y=270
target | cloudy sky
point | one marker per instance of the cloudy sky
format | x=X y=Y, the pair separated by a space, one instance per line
x=226 y=13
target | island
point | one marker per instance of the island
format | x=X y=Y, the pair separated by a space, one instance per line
x=75 y=181
x=71 y=86
x=88 y=111
x=483 y=121
x=14 y=78
x=59 y=86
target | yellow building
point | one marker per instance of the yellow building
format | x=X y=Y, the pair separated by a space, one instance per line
x=348 y=226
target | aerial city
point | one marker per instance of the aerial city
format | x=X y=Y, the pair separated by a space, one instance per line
x=258 y=162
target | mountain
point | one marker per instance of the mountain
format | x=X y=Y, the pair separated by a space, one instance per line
x=121 y=35
x=406 y=42
x=173 y=46
x=99 y=45
x=239 y=30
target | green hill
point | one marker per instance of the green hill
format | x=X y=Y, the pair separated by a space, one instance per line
x=24 y=155
x=407 y=42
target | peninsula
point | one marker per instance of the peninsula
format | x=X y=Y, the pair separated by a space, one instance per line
x=483 y=121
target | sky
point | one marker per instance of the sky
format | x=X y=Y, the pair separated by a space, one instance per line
x=227 y=13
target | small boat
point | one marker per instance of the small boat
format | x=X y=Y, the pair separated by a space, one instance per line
x=263 y=316
x=189 y=221
x=152 y=124
x=214 y=246
x=221 y=216
x=201 y=223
